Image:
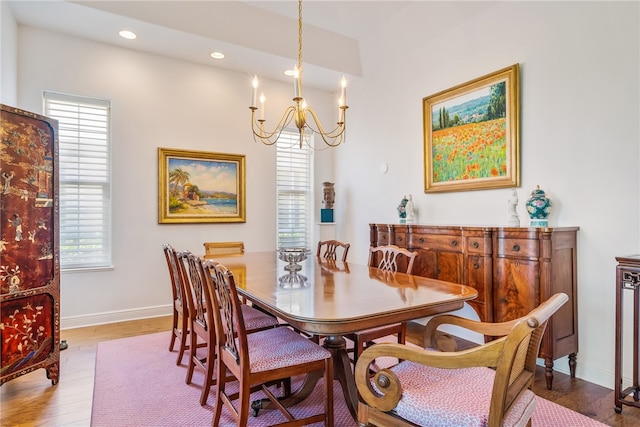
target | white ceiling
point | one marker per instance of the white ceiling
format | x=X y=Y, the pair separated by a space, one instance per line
x=258 y=37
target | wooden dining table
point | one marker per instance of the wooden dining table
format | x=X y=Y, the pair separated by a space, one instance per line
x=333 y=298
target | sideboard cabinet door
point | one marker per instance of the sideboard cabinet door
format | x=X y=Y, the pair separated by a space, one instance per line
x=29 y=270
x=516 y=276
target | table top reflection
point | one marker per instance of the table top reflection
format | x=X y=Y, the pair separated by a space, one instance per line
x=331 y=297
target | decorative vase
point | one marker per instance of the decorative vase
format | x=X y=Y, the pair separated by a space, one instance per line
x=402 y=210
x=538 y=208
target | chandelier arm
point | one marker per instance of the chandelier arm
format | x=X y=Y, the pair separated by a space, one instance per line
x=334 y=134
x=266 y=137
x=329 y=140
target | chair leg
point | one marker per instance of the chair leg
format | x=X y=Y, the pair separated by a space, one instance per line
x=193 y=346
x=183 y=339
x=220 y=382
x=358 y=348
x=402 y=335
x=208 y=381
x=244 y=404
x=174 y=330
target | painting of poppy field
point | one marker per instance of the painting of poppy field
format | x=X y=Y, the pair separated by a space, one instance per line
x=471 y=135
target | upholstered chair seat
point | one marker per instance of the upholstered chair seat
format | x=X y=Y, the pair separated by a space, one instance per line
x=273 y=349
x=256 y=320
x=432 y=397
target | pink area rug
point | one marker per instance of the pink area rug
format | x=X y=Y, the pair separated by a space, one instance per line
x=137 y=383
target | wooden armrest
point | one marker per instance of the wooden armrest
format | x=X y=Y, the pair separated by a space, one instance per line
x=434 y=338
x=387 y=382
x=539 y=315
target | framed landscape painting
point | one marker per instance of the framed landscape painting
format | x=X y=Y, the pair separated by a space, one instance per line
x=472 y=134
x=197 y=186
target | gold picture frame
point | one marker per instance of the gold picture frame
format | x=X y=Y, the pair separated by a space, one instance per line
x=200 y=187
x=472 y=134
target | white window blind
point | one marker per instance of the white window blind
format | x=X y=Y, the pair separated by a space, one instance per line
x=294 y=172
x=84 y=166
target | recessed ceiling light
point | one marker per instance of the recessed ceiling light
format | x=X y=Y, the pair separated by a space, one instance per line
x=128 y=34
x=288 y=73
x=217 y=55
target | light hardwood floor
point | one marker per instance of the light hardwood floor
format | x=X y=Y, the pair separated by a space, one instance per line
x=31 y=400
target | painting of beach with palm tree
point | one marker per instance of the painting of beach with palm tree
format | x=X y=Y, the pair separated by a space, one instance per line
x=203 y=186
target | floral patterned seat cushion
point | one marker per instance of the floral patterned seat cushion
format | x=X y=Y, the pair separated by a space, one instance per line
x=255 y=320
x=280 y=347
x=453 y=397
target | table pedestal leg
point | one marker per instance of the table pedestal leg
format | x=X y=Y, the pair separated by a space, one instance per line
x=342 y=371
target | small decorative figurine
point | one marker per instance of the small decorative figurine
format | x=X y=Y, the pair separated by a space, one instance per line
x=409 y=210
x=538 y=207
x=328 y=194
x=514 y=220
x=328 y=197
x=402 y=209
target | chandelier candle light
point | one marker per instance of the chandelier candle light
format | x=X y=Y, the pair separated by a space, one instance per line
x=298 y=111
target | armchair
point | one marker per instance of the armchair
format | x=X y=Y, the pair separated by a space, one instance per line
x=488 y=385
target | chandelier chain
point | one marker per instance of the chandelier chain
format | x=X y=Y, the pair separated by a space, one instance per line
x=300 y=37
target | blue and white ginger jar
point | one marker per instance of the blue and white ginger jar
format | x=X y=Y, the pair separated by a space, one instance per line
x=538 y=208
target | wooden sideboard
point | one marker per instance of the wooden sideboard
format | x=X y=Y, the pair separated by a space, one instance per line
x=29 y=244
x=514 y=269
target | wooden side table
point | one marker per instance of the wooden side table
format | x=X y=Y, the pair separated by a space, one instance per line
x=627 y=284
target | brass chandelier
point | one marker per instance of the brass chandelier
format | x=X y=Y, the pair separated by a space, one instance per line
x=298 y=112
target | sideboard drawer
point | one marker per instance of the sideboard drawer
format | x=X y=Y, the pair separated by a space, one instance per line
x=436 y=242
x=400 y=240
x=475 y=245
x=383 y=238
x=518 y=248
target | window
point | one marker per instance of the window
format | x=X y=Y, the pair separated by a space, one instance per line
x=294 y=172
x=84 y=170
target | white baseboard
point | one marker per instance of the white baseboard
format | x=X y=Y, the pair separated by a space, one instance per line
x=114 y=316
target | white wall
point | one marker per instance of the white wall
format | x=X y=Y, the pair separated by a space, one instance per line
x=156 y=102
x=9 y=56
x=580 y=142
x=580 y=136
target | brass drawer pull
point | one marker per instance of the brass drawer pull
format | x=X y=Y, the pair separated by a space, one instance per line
x=516 y=248
x=399 y=239
x=454 y=243
x=476 y=265
x=475 y=245
x=421 y=240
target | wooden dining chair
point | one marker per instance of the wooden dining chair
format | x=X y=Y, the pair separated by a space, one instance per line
x=214 y=250
x=180 y=321
x=386 y=258
x=261 y=358
x=488 y=385
x=202 y=308
x=327 y=249
x=220 y=249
